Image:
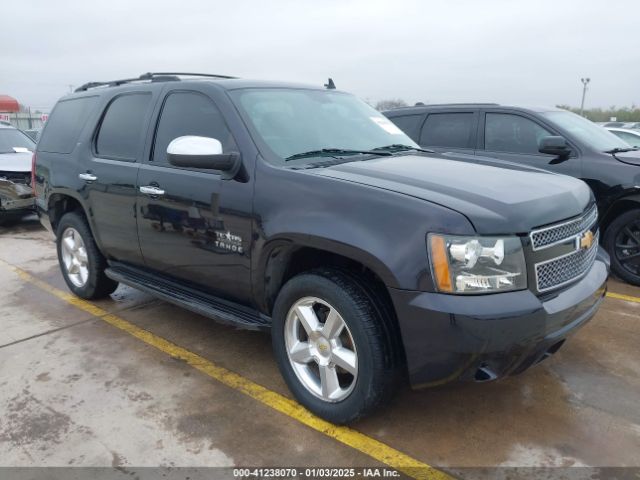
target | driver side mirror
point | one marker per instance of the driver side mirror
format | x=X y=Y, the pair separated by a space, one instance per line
x=554 y=145
x=191 y=151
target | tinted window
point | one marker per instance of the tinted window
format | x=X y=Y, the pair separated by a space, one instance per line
x=63 y=127
x=447 y=130
x=512 y=133
x=122 y=127
x=189 y=113
x=11 y=138
x=409 y=124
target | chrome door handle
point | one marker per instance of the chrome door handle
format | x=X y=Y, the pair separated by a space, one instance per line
x=87 y=177
x=151 y=190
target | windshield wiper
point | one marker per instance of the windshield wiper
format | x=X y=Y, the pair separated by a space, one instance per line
x=399 y=147
x=329 y=152
x=621 y=150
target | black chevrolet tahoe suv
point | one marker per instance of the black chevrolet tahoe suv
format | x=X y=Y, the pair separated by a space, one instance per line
x=305 y=212
x=548 y=138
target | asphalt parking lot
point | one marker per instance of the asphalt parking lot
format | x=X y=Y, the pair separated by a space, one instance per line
x=134 y=381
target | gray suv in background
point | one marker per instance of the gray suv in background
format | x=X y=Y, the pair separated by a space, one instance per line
x=548 y=138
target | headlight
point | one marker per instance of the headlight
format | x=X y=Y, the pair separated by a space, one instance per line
x=477 y=264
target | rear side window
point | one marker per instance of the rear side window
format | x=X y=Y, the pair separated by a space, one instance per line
x=121 y=130
x=447 y=130
x=63 y=127
x=409 y=124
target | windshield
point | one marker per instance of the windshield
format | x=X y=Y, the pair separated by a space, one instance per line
x=593 y=135
x=10 y=138
x=297 y=121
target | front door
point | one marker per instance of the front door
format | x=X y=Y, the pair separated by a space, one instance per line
x=194 y=225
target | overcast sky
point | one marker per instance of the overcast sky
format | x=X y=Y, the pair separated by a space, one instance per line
x=510 y=51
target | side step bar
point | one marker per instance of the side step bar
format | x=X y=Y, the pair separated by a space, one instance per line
x=198 y=302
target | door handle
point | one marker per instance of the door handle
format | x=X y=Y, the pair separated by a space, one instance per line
x=88 y=177
x=151 y=190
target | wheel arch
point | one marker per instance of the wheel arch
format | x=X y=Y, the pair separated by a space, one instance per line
x=617 y=208
x=283 y=258
x=60 y=203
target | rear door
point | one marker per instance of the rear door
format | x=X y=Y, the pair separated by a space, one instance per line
x=111 y=171
x=515 y=136
x=450 y=130
x=197 y=228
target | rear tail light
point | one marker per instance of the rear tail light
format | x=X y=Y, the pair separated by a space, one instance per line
x=33 y=173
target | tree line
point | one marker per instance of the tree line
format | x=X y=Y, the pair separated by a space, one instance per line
x=622 y=114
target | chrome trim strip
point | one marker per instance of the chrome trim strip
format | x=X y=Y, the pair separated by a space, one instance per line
x=591 y=213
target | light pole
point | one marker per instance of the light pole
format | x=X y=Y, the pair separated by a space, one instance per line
x=585 y=82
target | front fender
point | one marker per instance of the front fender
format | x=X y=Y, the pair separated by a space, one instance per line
x=383 y=230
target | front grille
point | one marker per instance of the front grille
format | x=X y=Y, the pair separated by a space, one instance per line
x=548 y=236
x=559 y=271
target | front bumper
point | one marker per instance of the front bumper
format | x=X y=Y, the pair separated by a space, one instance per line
x=484 y=337
x=15 y=197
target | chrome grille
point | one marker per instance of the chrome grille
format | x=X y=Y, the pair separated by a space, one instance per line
x=559 y=271
x=548 y=236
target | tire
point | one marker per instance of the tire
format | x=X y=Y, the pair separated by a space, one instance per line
x=94 y=283
x=625 y=230
x=363 y=334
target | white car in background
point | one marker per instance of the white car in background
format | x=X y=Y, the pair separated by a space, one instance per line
x=632 y=137
x=16 y=196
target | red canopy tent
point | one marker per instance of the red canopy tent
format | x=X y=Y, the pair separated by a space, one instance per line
x=8 y=104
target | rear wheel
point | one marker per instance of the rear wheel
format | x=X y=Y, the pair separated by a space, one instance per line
x=81 y=262
x=622 y=241
x=330 y=346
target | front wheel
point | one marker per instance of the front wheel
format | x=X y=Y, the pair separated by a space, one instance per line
x=622 y=241
x=330 y=346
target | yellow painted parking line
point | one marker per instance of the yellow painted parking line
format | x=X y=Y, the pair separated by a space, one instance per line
x=626 y=298
x=369 y=446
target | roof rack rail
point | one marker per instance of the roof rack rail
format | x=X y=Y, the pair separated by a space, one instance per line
x=149 y=76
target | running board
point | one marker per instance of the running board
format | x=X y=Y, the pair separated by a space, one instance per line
x=198 y=302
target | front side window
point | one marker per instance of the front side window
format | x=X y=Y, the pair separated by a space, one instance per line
x=122 y=127
x=294 y=121
x=447 y=130
x=504 y=132
x=189 y=113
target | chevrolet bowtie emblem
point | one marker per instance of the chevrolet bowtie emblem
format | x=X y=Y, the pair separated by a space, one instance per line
x=586 y=240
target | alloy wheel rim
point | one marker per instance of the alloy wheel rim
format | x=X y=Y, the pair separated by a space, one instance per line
x=627 y=247
x=74 y=257
x=321 y=349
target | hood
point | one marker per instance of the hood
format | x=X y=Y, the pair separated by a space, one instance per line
x=632 y=158
x=497 y=200
x=15 y=162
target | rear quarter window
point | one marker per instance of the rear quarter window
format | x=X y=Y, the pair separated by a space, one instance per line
x=63 y=127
